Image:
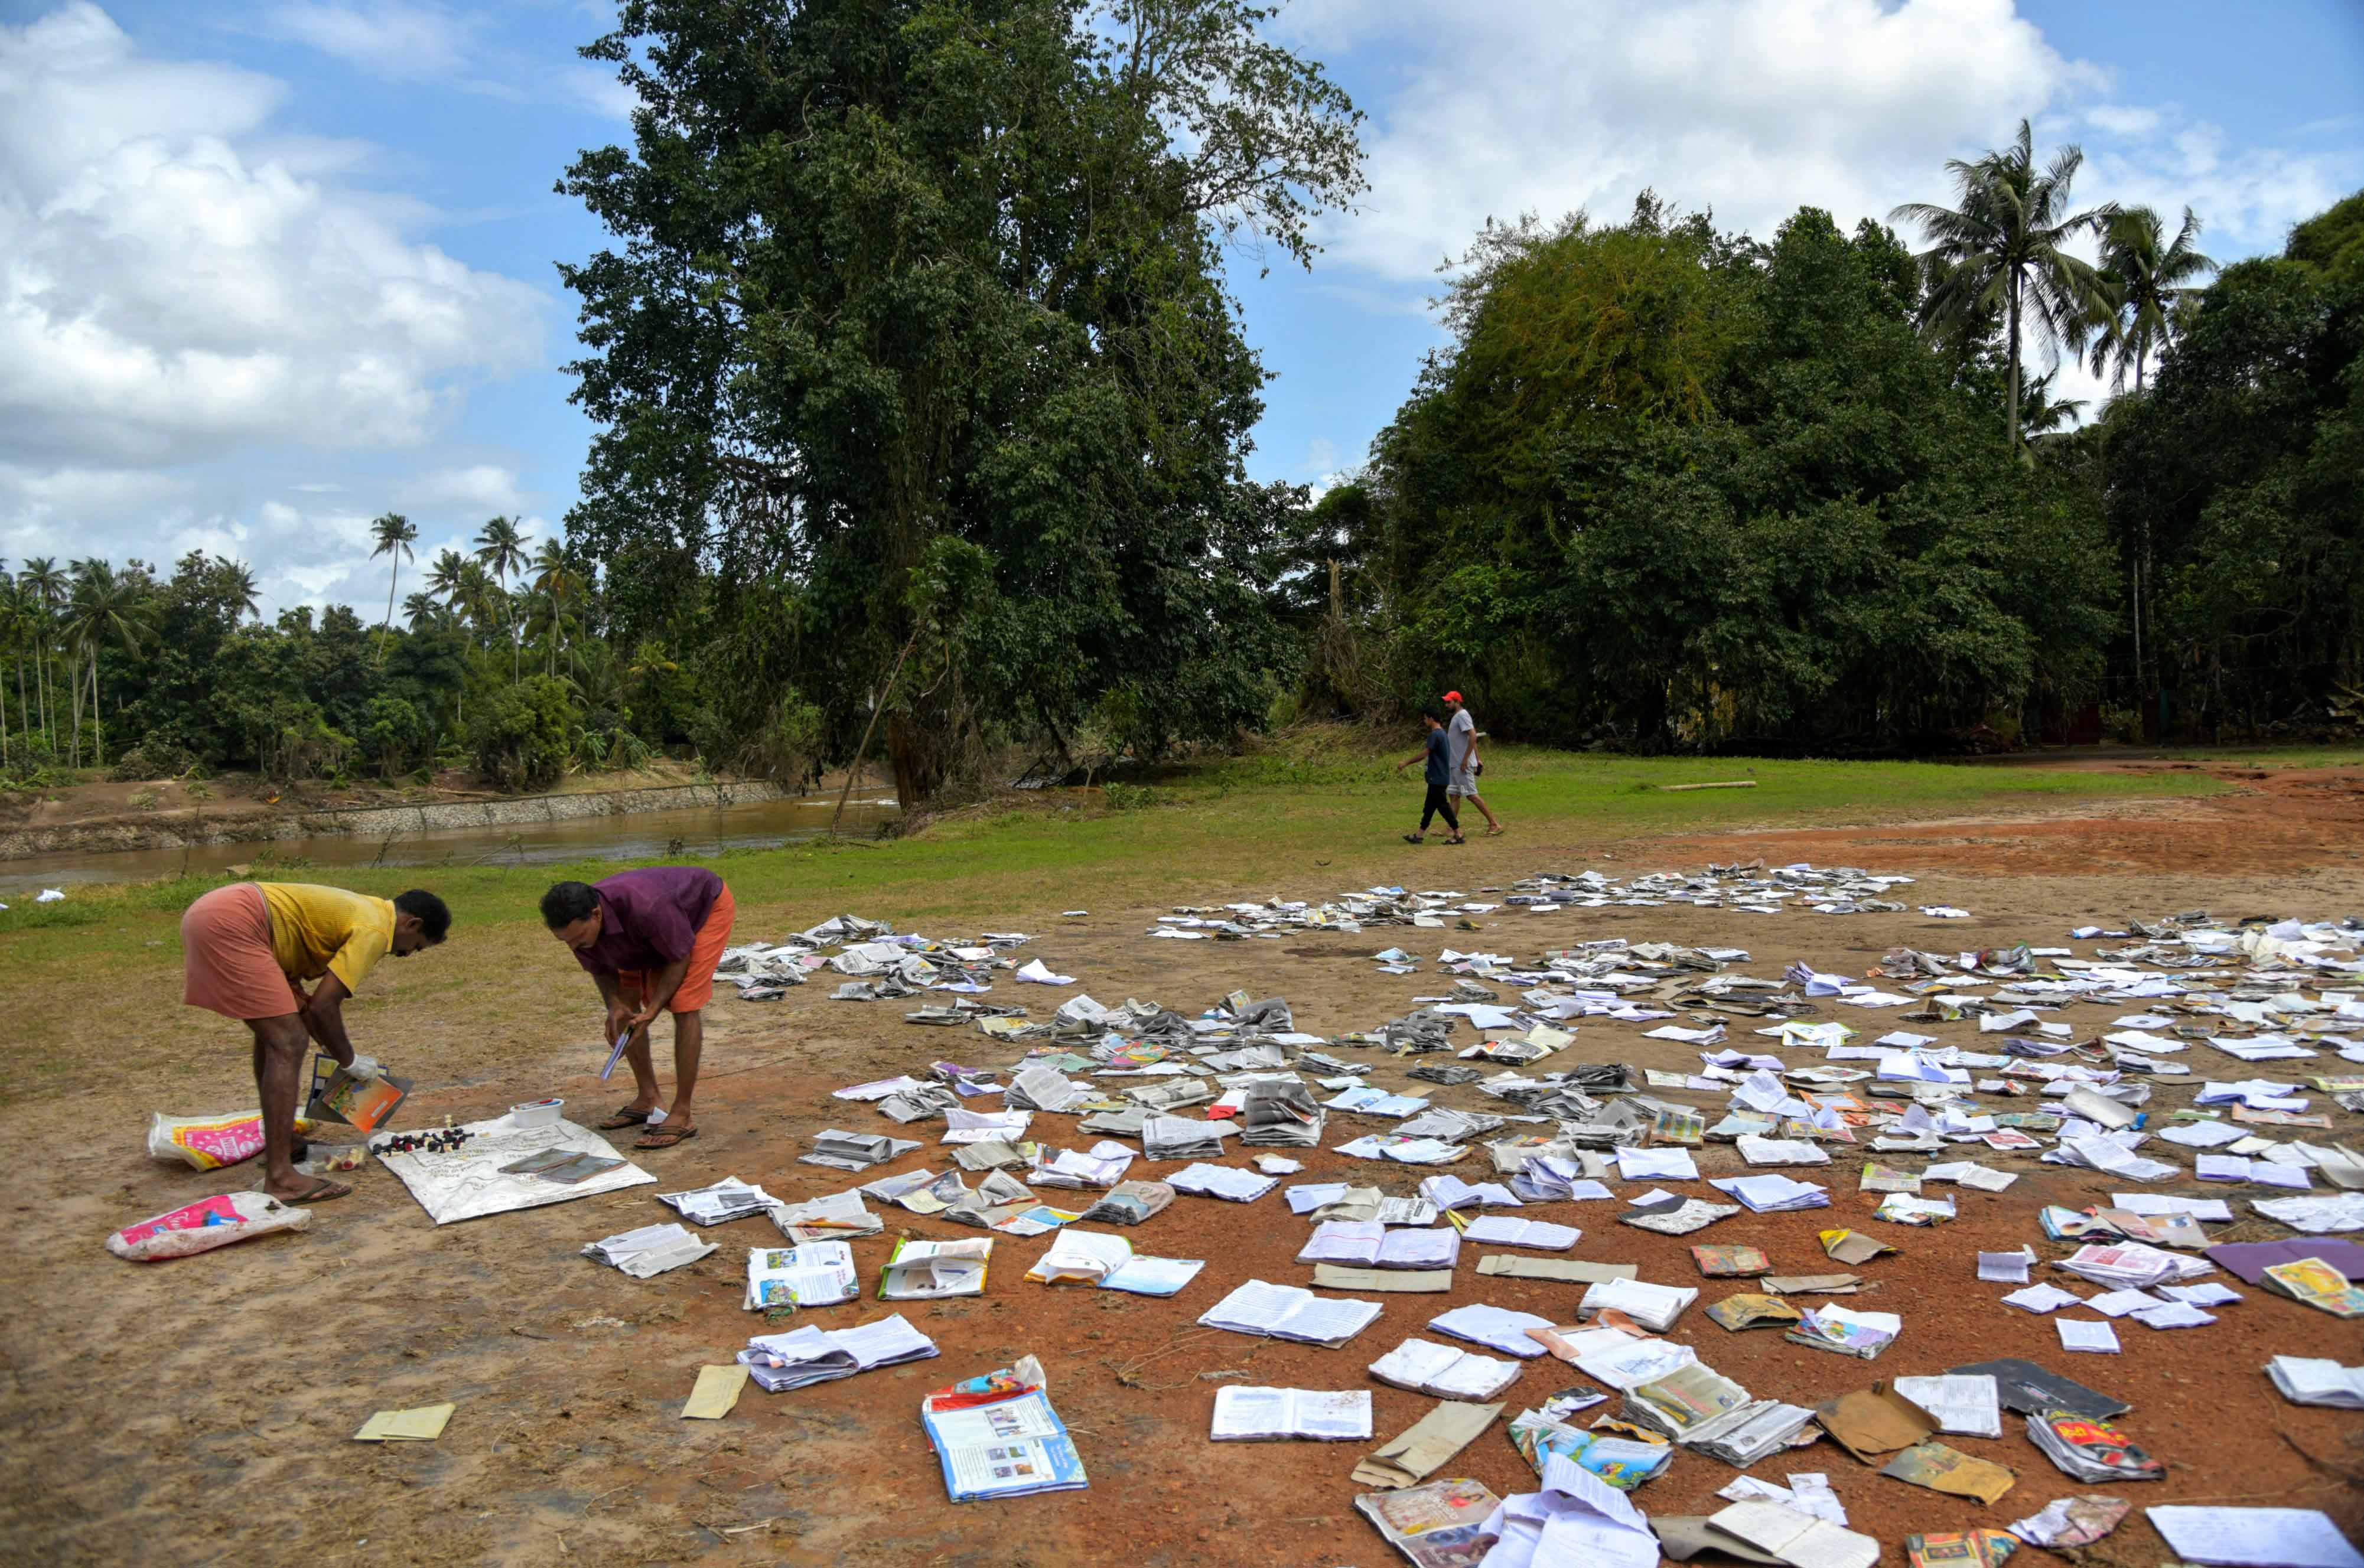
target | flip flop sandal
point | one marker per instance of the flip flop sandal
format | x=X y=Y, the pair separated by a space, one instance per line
x=1495 y=832
x=326 y=1192
x=1415 y=838
x=664 y=1136
x=624 y=1115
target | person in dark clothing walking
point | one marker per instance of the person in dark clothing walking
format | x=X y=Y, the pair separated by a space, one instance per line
x=1438 y=754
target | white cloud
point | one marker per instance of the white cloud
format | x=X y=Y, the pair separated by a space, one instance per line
x=171 y=291
x=479 y=490
x=412 y=41
x=2119 y=119
x=409 y=42
x=1750 y=110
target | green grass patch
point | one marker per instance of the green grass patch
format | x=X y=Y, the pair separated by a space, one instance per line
x=1303 y=820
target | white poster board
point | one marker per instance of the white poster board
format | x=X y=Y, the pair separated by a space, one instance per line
x=467 y=1183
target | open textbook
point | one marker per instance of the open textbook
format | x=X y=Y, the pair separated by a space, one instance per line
x=997 y=1444
x=923 y=1271
x=817 y=1273
x=1286 y=1312
x=1373 y=1245
x=1250 y=1414
x=1425 y=1367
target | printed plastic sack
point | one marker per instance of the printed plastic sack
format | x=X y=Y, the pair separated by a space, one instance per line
x=210 y=1142
x=208 y=1223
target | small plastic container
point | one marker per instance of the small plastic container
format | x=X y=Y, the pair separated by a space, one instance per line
x=536 y=1113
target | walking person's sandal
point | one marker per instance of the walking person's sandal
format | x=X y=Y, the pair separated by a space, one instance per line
x=1415 y=837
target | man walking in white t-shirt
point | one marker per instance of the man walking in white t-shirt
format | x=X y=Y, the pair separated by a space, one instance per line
x=1462 y=743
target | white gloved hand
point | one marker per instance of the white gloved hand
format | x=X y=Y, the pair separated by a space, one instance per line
x=365 y=1068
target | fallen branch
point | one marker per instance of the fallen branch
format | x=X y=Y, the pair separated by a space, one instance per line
x=1731 y=783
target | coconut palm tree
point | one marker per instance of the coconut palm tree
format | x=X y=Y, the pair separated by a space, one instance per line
x=241 y=590
x=421 y=610
x=443 y=577
x=2148 y=280
x=556 y=580
x=477 y=597
x=106 y=608
x=394 y=534
x=502 y=550
x=2004 y=249
x=46 y=588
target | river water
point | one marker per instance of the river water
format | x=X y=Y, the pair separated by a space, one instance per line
x=645 y=835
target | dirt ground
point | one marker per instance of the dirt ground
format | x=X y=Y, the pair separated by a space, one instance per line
x=200 y=1410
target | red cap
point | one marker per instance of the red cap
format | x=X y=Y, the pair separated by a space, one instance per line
x=1452 y=696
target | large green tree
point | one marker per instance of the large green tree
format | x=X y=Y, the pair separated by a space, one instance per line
x=1673 y=489
x=2242 y=474
x=917 y=339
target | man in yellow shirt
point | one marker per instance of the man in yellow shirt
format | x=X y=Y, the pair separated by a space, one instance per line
x=247 y=950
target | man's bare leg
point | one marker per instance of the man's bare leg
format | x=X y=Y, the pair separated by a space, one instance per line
x=279 y=1045
x=645 y=1092
x=1488 y=812
x=688 y=1044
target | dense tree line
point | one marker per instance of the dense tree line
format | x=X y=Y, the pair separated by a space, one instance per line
x=1669 y=487
x=147 y=674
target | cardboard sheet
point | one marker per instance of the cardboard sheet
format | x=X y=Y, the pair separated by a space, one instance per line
x=1874 y=1421
x=1424 y=1448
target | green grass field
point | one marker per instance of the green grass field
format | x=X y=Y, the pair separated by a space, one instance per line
x=1306 y=816
x=1224 y=826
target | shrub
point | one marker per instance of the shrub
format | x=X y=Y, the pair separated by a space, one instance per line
x=523 y=738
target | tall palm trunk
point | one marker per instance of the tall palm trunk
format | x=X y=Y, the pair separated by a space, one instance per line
x=386 y=627
x=2013 y=417
x=97 y=724
x=73 y=757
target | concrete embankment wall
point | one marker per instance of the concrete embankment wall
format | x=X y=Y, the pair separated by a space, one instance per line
x=178 y=828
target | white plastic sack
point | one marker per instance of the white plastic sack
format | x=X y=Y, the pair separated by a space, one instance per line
x=208 y=1223
x=210 y=1142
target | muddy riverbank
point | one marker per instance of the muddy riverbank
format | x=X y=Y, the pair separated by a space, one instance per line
x=615 y=824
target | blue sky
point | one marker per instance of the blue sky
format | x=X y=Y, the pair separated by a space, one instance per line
x=267 y=270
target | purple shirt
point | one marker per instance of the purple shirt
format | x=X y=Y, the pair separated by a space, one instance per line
x=648 y=918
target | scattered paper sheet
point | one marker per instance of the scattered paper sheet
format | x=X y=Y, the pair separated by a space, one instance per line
x=424 y=1424
x=717 y=1390
x=2254 y=1538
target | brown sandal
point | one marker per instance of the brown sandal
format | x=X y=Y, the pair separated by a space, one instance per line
x=323 y=1191
x=665 y=1135
x=623 y=1116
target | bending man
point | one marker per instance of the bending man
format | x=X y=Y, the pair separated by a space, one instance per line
x=650 y=940
x=247 y=950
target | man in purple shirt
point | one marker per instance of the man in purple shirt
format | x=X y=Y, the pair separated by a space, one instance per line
x=649 y=941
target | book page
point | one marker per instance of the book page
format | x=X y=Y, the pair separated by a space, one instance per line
x=1414 y=1363
x=1345 y=1241
x=1243 y=1413
x=1331 y=1417
x=890 y=1339
x=1319 y=1319
x=1259 y=1305
x=1420 y=1248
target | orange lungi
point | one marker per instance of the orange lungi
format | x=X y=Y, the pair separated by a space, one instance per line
x=227 y=964
x=696 y=987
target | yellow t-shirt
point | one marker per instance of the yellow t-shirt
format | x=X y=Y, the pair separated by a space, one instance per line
x=318 y=930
